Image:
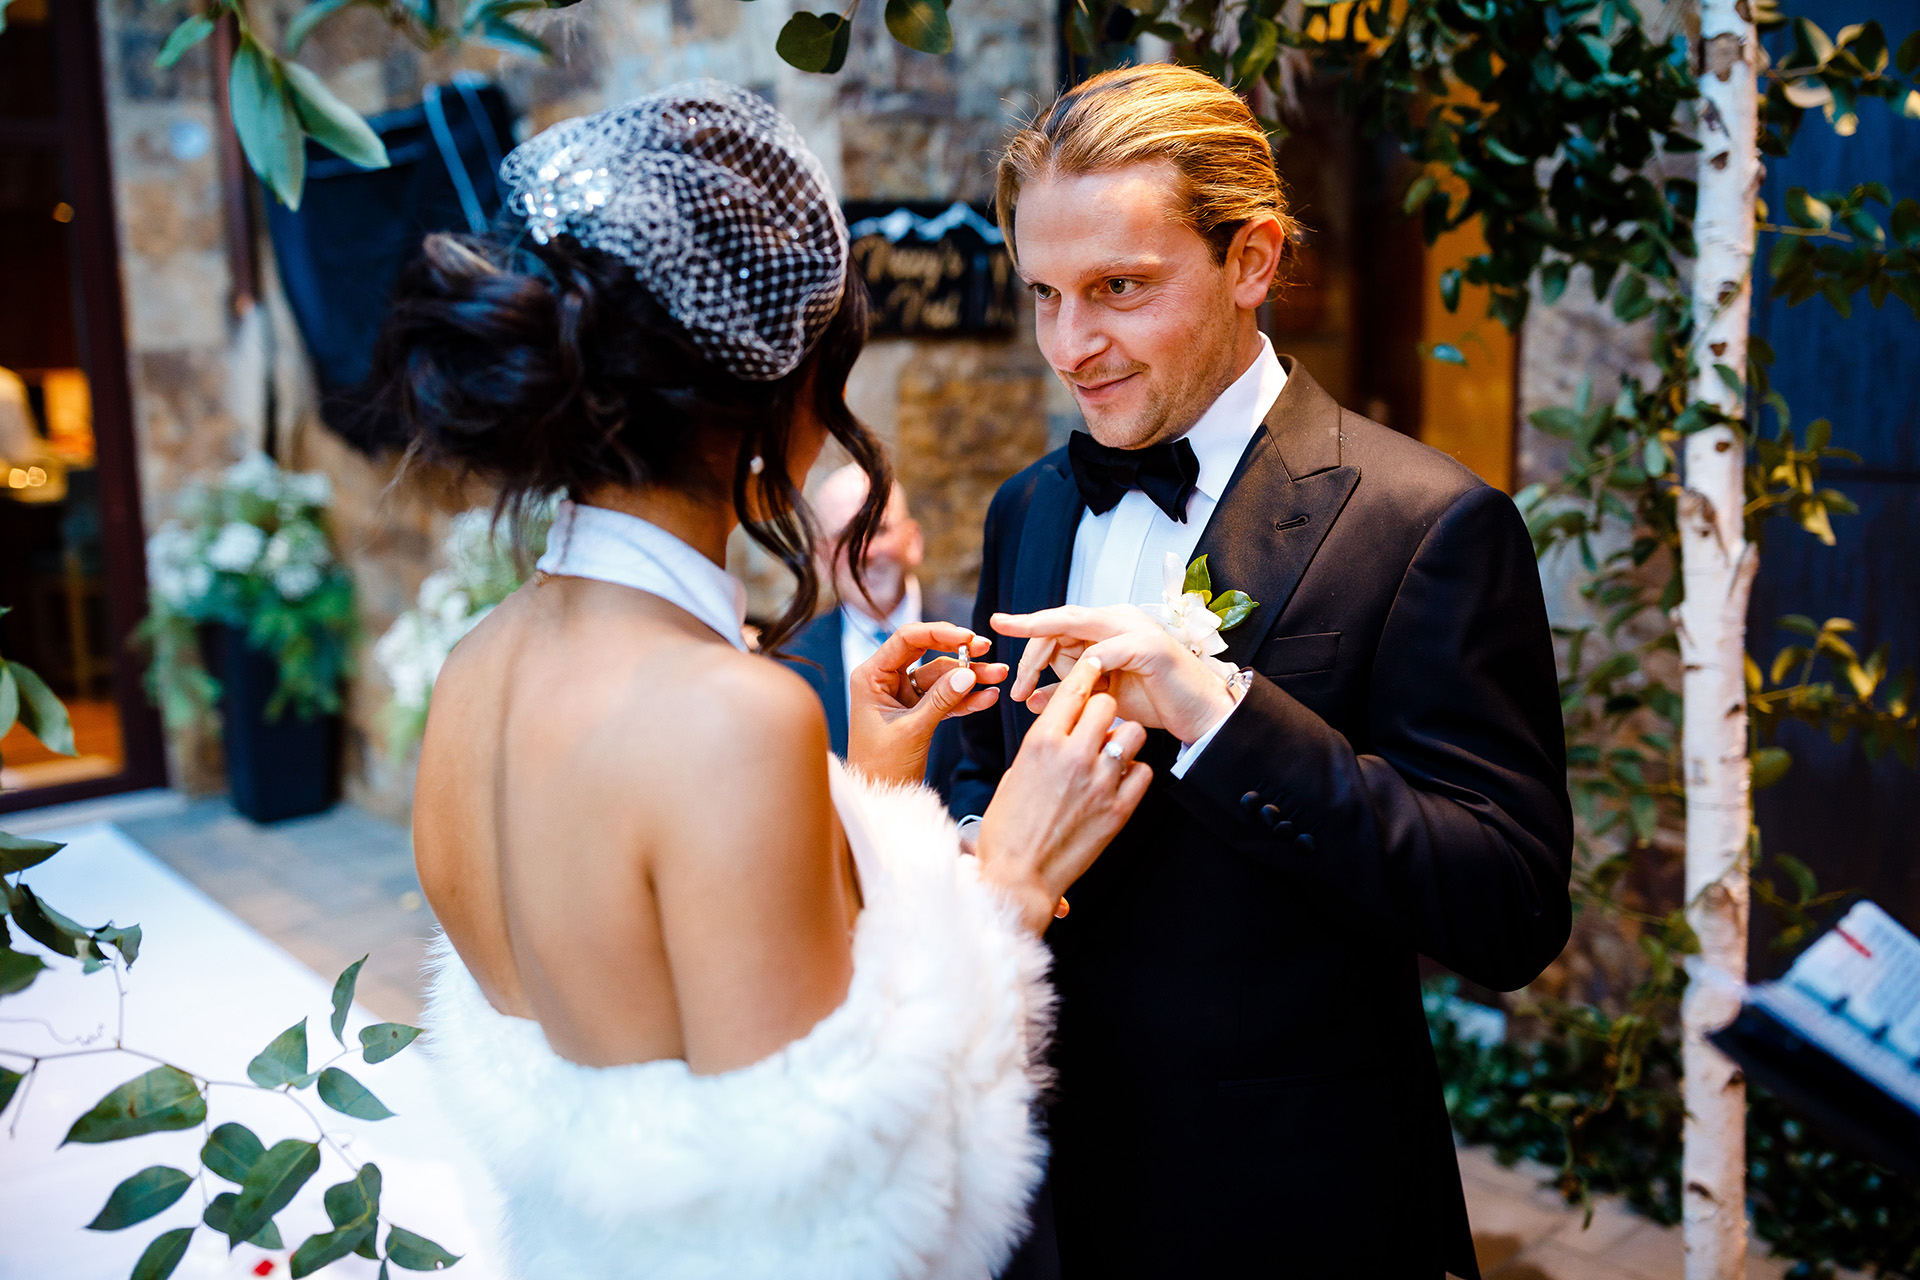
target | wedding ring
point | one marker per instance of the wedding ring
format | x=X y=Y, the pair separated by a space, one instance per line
x=913 y=678
x=1111 y=751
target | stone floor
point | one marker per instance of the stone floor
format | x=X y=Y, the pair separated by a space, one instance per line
x=340 y=885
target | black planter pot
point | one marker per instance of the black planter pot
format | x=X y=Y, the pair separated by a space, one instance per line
x=285 y=768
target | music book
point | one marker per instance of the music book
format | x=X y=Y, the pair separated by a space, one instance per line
x=1839 y=1036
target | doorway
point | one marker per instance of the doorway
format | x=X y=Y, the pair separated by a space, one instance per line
x=71 y=573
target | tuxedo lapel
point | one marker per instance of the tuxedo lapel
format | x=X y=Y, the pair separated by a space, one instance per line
x=1044 y=559
x=1046 y=540
x=1284 y=496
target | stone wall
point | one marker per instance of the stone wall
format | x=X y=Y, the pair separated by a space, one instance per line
x=959 y=414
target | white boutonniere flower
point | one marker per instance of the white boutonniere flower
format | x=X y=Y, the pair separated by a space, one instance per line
x=1194 y=616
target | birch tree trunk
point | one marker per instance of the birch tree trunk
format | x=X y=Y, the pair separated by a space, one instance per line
x=1718 y=566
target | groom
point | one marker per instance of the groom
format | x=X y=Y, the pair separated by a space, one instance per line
x=1245 y=1085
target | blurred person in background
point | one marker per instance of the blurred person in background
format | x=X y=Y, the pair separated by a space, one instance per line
x=877 y=596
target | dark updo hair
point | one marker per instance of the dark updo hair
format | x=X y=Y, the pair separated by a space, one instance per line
x=550 y=368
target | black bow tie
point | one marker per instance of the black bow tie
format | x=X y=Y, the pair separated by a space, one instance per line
x=1165 y=472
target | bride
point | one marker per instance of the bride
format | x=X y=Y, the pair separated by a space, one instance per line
x=709 y=1003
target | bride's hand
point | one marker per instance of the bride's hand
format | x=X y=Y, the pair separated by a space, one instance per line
x=1071 y=788
x=894 y=707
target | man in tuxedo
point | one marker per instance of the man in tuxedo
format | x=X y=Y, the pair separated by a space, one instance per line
x=845 y=636
x=1245 y=1084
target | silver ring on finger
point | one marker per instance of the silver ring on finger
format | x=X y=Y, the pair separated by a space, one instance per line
x=913 y=678
x=1112 y=750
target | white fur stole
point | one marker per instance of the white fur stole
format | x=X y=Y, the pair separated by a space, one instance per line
x=893 y=1142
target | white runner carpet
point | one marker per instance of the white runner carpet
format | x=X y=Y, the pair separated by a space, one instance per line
x=207 y=993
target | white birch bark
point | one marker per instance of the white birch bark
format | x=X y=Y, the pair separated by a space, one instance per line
x=1718 y=566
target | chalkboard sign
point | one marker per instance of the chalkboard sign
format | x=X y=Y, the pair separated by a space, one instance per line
x=933 y=269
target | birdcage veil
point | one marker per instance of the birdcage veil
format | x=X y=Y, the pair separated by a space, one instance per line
x=713 y=198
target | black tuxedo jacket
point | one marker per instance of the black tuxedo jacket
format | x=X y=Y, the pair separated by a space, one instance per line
x=1245 y=1085
x=823 y=666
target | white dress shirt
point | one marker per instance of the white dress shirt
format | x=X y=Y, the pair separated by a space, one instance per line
x=1118 y=556
x=861 y=637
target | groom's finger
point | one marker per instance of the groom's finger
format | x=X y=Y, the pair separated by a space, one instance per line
x=1067 y=621
x=1035 y=658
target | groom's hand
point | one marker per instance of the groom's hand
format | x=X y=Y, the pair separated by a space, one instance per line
x=894 y=706
x=1155 y=679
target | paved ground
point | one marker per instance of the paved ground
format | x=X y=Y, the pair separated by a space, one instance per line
x=340 y=885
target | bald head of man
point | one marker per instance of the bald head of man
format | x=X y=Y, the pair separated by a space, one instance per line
x=895 y=552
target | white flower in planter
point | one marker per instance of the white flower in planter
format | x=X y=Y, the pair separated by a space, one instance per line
x=237 y=547
x=296 y=581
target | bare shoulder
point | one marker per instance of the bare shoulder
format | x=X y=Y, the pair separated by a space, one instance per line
x=715 y=701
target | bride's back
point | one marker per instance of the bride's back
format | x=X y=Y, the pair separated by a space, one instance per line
x=623 y=825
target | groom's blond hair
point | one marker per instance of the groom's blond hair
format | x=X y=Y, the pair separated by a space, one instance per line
x=1157 y=112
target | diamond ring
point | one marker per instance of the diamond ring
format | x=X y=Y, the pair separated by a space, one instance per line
x=1111 y=751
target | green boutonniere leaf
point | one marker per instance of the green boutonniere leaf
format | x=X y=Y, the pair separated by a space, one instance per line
x=1234 y=608
x=1199 y=580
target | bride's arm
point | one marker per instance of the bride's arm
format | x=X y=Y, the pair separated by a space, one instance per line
x=751 y=886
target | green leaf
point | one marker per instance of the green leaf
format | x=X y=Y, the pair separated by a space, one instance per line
x=333 y=123
x=41 y=712
x=1630 y=301
x=17 y=972
x=141 y=1196
x=1654 y=456
x=184 y=37
x=349 y=1097
x=219 y=1215
x=1234 y=608
x=1908 y=57
x=310 y=17
x=353 y=1208
x=9 y=700
x=9 y=1085
x=164 y=1098
x=17 y=853
x=343 y=999
x=268 y=124
x=49 y=928
x=163 y=1255
x=417 y=1253
x=1807 y=210
x=283 y=1061
x=1553 y=282
x=1805 y=883
x=1259 y=42
x=274 y=1180
x=1814 y=46
x=1417 y=194
x=231 y=1151
x=812 y=42
x=1450 y=288
x=1646 y=816
x=1198 y=579
x=1770 y=764
x=126 y=941
x=384 y=1039
x=921 y=25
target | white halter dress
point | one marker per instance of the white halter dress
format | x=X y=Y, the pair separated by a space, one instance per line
x=894 y=1140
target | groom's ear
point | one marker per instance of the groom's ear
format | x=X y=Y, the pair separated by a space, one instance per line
x=1254 y=259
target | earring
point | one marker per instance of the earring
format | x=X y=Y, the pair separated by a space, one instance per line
x=757 y=465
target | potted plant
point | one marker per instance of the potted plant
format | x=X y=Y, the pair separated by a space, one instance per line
x=250 y=610
x=487 y=560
